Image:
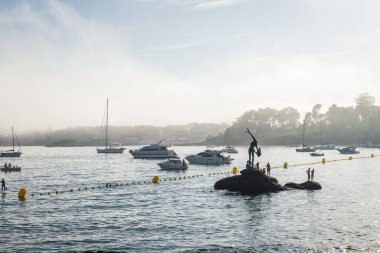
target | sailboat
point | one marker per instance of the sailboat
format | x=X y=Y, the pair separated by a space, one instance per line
x=303 y=148
x=318 y=153
x=12 y=152
x=108 y=149
x=226 y=147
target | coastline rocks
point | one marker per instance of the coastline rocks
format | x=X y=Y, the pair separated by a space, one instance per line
x=308 y=185
x=251 y=181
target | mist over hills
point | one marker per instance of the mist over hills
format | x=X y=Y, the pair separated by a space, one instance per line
x=357 y=124
x=126 y=135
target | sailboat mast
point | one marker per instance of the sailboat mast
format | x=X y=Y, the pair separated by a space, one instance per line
x=303 y=134
x=227 y=138
x=321 y=136
x=13 y=140
x=107 y=126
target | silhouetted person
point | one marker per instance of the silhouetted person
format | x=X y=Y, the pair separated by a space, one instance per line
x=268 y=169
x=251 y=150
x=3 y=184
x=308 y=174
x=258 y=166
x=312 y=175
x=5 y=166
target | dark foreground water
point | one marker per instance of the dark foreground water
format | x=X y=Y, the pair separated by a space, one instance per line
x=187 y=215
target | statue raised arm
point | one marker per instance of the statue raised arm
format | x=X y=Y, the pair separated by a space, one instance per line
x=254 y=139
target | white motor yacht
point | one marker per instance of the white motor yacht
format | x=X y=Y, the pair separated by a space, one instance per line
x=305 y=149
x=230 y=150
x=173 y=164
x=157 y=151
x=317 y=154
x=209 y=157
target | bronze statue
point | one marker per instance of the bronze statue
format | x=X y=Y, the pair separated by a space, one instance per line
x=252 y=151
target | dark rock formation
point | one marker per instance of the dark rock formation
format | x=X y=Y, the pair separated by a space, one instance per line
x=308 y=185
x=251 y=181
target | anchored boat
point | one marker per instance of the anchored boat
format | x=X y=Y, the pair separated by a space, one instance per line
x=108 y=149
x=209 y=157
x=303 y=148
x=173 y=164
x=12 y=152
x=348 y=150
x=155 y=151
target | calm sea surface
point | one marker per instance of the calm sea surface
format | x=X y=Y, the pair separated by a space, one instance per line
x=182 y=215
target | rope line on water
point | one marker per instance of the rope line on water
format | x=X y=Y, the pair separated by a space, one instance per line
x=157 y=179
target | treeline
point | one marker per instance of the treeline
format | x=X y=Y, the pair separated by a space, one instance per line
x=357 y=124
x=126 y=135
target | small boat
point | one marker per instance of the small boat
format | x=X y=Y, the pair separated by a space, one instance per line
x=230 y=150
x=10 y=169
x=209 y=157
x=303 y=147
x=12 y=152
x=108 y=149
x=154 y=151
x=317 y=154
x=173 y=164
x=227 y=148
x=348 y=150
x=326 y=147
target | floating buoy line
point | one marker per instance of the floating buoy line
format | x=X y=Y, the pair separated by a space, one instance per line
x=156 y=179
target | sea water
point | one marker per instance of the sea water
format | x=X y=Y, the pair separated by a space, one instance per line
x=186 y=214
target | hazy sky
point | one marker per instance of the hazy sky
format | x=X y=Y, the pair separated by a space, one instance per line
x=178 y=61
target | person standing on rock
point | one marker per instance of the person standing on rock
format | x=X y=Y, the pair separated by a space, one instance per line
x=308 y=174
x=312 y=175
x=251 y=150
x=268 y=169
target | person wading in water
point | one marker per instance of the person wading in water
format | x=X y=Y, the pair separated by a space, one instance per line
x=3 y=184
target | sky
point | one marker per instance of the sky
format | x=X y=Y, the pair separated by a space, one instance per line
x=162 y=62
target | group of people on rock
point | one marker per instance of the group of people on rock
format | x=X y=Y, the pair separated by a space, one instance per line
x=266 y=170
x=310 y=174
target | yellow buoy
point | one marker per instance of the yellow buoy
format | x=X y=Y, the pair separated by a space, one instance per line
x=350 y=158
x=234 y=170
x=21 y=193
x=285 y=165
x=155 y=179
x=323 y=161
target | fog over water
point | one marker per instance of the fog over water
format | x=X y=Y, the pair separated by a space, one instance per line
x=175 y=62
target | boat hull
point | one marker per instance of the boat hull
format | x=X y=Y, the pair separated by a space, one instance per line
x=153 y=154
x=172 y=166
x=10 y=154
x=207 y=160
x=110 y=151
x=11 y=169
x=348 y=152
x=305 y=150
